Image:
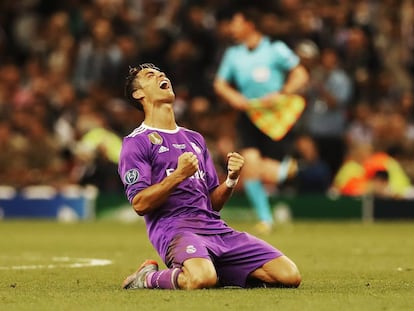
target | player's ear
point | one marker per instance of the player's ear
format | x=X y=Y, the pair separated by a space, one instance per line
x=138 y=94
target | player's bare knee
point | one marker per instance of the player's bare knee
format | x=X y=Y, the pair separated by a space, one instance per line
x=207 y=280
x=295 y=280
x=291 y=278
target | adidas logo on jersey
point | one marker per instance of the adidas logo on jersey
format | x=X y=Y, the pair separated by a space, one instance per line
x=163 y=149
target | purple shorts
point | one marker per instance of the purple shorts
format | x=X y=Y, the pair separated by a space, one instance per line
x=235 y=254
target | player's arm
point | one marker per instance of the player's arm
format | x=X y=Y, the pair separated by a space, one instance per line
x=222 y=193
x=152 y=197
x=296 y=82
x=230 y=94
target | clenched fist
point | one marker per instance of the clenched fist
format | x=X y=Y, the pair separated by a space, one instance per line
x=235 y=163
x=187 y=164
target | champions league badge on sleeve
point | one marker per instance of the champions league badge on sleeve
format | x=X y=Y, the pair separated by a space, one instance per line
x=131 y=176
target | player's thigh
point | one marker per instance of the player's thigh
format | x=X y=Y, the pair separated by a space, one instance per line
x=239 y=254
x=252 y=160
x=251 y=156
x=188 y=251
x=281 y=270
x=186 y=245
x=270 y=170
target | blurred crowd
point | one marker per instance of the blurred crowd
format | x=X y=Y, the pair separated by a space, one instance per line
x=63 y=65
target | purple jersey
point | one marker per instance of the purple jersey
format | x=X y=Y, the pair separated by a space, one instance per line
x=149 y=155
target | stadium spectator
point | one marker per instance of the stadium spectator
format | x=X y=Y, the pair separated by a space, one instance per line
x=314 y=175
x=96 y=153
x=366 y=171
x=360 y=130
x=98 y=56
x=328 y=97
x=398 y=183
x=12 y=158
x=41 y=42
x=43 y=161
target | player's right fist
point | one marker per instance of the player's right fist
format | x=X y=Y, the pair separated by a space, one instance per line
x=187 y=164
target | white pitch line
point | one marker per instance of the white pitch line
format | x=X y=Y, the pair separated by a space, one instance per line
x=65 y=262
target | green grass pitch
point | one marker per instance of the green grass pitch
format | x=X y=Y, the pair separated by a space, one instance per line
x=344 y=265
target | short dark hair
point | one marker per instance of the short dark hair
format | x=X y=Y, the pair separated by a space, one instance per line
x=132 y=84
x=250 y=13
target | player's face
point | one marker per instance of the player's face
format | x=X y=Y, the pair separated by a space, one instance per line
x=156 y=87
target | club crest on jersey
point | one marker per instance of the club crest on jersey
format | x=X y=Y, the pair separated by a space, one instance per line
x=155 y=138
x=190 y=249
x=131 y=176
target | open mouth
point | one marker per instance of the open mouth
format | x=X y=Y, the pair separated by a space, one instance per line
x=164 y=85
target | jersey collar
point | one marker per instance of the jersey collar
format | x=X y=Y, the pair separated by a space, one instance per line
x=160 y=130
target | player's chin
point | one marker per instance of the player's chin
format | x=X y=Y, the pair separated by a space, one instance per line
x=171 y=97
x=166 y=97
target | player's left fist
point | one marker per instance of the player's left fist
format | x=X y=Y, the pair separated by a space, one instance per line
x=235 y=163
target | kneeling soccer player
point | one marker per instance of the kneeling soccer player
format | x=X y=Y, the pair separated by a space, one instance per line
x=170 y=179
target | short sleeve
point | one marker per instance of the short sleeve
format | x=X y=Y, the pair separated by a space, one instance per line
x=134 y=167
x=225 y=70
x=286 y=58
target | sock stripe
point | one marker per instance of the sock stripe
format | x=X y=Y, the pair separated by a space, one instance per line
x=284 y=170
x=164 y=279
x=157 y=284
x=147 y=281
x=174 y=277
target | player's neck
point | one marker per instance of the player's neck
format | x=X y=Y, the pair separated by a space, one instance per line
x=253 y=40
x=161 y=118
